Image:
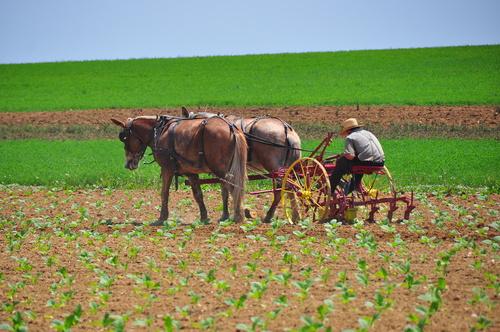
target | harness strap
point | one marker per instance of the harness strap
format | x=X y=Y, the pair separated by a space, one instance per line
x=249 y=131
x=169 y=125
x=201 y=153
x=251 y=137
x=173 y=156
x=287 y=142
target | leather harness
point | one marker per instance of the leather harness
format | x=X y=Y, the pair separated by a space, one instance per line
x=249 y=129
x=165 y=123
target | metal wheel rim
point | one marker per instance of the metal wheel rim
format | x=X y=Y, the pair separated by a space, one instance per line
x=311 y=193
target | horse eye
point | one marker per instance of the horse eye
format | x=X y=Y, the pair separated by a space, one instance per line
x=122 y=137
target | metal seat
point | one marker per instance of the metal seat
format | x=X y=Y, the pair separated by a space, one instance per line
x=368 y=170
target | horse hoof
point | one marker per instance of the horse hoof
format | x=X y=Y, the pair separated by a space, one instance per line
x=156 y=223
x=238 y=219
x=266 y=220
x=248 y=215
x=223 y=218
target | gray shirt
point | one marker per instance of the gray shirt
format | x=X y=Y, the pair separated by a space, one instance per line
x=364 y=145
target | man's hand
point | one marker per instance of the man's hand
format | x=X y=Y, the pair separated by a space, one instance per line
x=348 y=156
x=332 y=157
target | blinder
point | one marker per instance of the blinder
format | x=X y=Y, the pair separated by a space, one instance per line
x=124 y=134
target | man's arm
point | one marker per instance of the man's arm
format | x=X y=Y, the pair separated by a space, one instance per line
x=349 y=152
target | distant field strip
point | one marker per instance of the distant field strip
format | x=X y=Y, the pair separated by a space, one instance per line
x=445 y=162
x=305 y=131
x=451 y=76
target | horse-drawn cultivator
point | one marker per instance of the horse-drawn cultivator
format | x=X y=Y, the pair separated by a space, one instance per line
x=306 y=191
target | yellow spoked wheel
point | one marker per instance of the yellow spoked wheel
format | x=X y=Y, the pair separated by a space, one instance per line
x=305 y=191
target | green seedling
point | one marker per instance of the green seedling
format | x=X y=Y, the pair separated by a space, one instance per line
x=14 y=288
x=482 y=323
x=118 y=322
x=184 y=311
x=366 y=239
x=250 y=225
x=226 y=253
x=281 y=301
x=290 y=259
x=207 y=277
x=283 y=278
x=237 y=304
x=146 y=281
x=69 y=321
x=362 y=275
x=144 y=322
x=257 y=289
x=221 y=286
x=325 y=309
x=424 y=314
x=309 y=324
x=257 y=323
x=479 y=295
x=347 y=293
x=207 y=323
x=366 y=322
x=304 y=287
x=17 y=323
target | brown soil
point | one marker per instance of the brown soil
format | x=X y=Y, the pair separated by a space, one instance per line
x=64 y=225
x=472 y=116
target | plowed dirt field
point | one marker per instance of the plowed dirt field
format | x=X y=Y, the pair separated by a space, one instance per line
x=486 y=116
x=62 y=250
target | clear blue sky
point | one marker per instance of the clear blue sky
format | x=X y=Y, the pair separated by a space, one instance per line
x=58 y=30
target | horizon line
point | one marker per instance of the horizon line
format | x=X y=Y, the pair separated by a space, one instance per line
x=244 y=54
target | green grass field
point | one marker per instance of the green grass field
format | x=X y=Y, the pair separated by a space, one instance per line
x=450 y=75
x=100 y=162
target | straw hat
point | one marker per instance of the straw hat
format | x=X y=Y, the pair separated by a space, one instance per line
x=348 y=125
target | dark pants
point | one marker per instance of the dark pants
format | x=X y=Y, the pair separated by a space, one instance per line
x=344 y=166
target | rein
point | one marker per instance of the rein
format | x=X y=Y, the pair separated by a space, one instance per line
x=253 y=138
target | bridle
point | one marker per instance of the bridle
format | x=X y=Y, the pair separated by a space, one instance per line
x=126 y=133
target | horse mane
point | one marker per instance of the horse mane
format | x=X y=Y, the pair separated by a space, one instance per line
x=146 y=117
x=149 y=117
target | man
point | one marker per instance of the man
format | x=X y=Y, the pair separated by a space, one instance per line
x=361 y=148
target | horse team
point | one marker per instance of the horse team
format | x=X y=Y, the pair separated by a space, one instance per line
x=224 y=146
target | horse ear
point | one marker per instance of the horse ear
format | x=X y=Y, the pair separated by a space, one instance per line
x=185 y=112
x=118 y=122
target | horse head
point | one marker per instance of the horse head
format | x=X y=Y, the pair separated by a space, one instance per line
x=201 y=115
x=136 y=135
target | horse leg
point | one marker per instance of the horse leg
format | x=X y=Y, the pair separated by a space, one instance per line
x=225 y=202
x=167 y=176
x=198 y=196
x=237 y=205
x=272 y=209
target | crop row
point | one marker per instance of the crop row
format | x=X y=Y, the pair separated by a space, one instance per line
x=69 y=267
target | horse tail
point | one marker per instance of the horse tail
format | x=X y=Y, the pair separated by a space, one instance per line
x=238 y=168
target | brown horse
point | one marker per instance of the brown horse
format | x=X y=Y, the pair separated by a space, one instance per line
x=189 y=147
x=272 y=144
